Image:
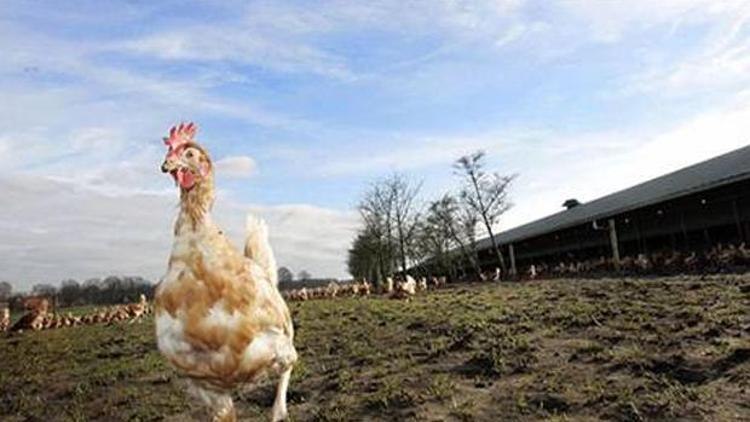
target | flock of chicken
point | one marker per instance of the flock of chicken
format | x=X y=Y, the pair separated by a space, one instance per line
x=398 y=289
x=720 y=258
x=39 y=318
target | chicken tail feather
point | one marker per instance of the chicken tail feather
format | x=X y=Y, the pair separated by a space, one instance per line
x=258 y=249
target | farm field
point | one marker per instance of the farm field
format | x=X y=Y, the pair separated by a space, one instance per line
x=673 y=348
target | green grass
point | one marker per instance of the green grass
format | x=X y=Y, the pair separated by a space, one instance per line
x=652 y=349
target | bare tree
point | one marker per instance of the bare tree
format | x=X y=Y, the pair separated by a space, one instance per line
x=285 y=275
x=376 y=209
x=44 y=289
x=405 y=213
x=304 y=275
x=390 y=214
x=485 y=194
x=70 y=293
x=457 y=225
x=433 y=245
x=364 y=260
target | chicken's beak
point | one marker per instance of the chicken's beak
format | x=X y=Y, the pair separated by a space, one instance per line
x=168 y=166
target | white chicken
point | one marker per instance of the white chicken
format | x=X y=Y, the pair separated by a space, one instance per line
x=220 y=319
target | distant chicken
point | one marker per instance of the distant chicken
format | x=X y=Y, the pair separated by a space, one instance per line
x=388 y=286
x=365 y=288
x=422 y=284
x=35 y=318
x=332 y=289
x=5 y=320
x=303 y=295
x=137 y=310
x=220 y=319
x=405 y=289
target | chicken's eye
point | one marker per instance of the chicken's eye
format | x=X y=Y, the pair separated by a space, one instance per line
x=189 y=154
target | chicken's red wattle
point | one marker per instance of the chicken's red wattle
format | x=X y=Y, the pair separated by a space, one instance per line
x=185 y=178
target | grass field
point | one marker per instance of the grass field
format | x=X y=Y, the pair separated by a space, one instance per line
x=618 y=349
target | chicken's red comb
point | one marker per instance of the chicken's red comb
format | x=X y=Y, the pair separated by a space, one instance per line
x=180 y=134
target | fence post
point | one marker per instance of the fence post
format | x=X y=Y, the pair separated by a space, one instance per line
x=512 y=252
x=615 y=243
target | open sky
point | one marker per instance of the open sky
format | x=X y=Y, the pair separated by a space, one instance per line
x=303 y=103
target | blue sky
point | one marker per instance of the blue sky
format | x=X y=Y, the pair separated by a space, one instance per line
x=303 y=103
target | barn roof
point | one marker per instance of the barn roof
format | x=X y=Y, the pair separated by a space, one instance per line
x=731 y=167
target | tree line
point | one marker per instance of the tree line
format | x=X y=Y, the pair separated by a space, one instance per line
x=106 y=291
x=286 y=275
x=401 y=233
x=110 y=290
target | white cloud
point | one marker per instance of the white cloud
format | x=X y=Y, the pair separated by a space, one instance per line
x=287 y=38
x=717 y=62
x=91 y=84
x=519 y=147
x=238 y=166
x=403 y=155
x=95 y=138
x=54 y=229
x=306 y=237
x=589 y=173
x=241 y=45
x=610 y=21
x=717 y=68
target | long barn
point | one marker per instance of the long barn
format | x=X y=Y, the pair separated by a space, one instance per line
x=690 y=210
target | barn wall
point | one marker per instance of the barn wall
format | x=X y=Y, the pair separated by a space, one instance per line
x=694 y=222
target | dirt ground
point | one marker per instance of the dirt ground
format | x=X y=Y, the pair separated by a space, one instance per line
x=562 y=350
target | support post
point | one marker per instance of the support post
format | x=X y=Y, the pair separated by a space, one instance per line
x=685 y=237
x=615 y=243
x=737 y=220
x=512 y=252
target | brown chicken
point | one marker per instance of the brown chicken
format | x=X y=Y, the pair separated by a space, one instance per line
x=220 y=319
